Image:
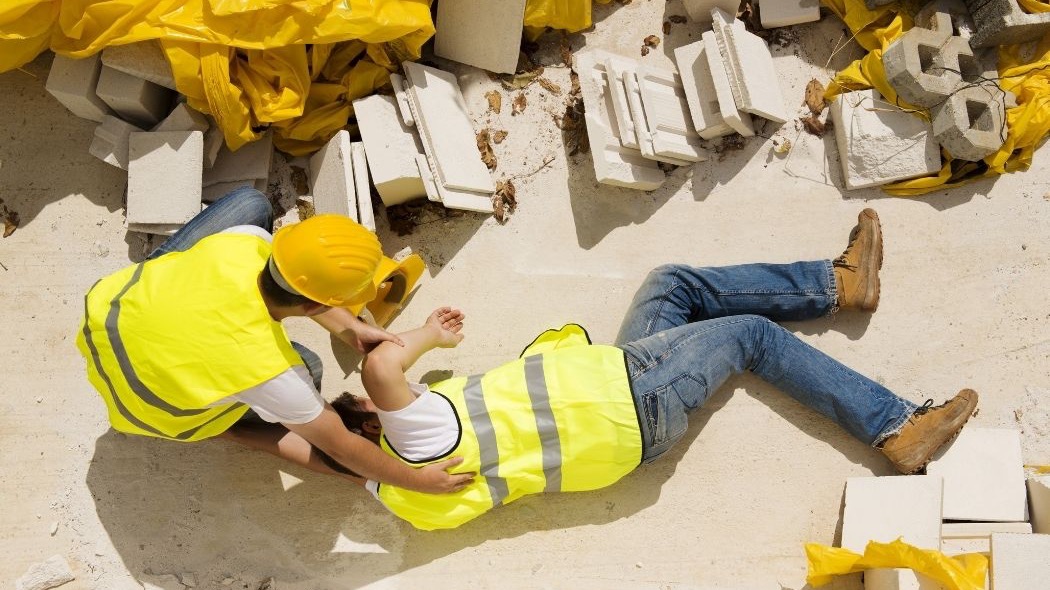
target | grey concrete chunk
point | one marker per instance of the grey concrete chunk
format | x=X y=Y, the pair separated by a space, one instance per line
x=1004 y=22
x=183 y=118
x=143 y=60
x=332 y=178
x=164 y=176
x=971 y=124
x=73 y=82
x=136 y=100
x=110 y=142
x=45 y=575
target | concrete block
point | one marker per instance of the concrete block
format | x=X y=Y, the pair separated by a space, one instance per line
x=700 y=10
x=699 y=88
x=136 y=100
x=212 y=193
x=157 y=229
x=976 y=537
x=214 y=140
x=184 y=118
x=879 y=143
x=143 y=60
x=957 y=11
x=970 y=125
x=164 y=176
x=885 y=508
x=445 y=128
x=1004 y=22
x=747 y=60
x=898 y=579
x=727 y=106
x=914 y=63
x=614 y=164
x=392 y=148
x=1020 y=562
x=616 y=66
x=404 y=109
x=50 y=573
x=642 y=130
x=252 y=160
x=983 y=476
x=666 y=117
x=783 y=13
x=480 y=33
x=110 y=143
x=72 y=82
x=332 y=178
x=359 y=160
x=1039 y=502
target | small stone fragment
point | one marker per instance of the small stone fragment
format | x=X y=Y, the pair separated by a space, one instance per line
x=45 y=575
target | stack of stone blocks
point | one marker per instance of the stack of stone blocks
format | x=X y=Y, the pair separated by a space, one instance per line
x=971 y=500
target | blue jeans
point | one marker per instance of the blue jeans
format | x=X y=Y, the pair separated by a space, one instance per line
x=689 y=329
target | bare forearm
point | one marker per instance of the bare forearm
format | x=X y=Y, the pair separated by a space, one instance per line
x=339 y=322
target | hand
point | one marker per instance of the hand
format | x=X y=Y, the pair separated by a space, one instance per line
x=364 y=337
x=435 y=478
x=448 y=323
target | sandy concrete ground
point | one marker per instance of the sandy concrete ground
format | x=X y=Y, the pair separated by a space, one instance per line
x=963 y=304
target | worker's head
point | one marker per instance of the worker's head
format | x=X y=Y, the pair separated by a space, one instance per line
x=358 y=415
x=327 y=259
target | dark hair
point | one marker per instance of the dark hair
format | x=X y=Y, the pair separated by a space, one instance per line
x=350 y=410
x=276 y=294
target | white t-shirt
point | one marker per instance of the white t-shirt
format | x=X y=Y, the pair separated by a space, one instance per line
x=424 y=430
x=289 y=397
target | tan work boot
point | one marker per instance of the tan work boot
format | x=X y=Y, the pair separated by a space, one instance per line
x=857 y=269
x=927 y=430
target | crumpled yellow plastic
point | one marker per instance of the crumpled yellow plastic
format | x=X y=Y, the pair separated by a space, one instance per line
x=1025 y=73
x=962 y=572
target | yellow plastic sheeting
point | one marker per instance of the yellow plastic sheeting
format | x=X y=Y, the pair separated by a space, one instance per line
x=963 y=572
x=1034 y=6
x=567 y=15
x=1026 y=74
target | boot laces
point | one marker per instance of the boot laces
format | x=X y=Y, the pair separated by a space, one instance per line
x=843 y=260
x=925 y=407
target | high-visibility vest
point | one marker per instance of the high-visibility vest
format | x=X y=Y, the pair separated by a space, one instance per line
x=559 y=419
x=166 y=338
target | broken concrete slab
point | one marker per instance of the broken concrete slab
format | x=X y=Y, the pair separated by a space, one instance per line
x=144 y=60
x=976 y=537
x=668 y=124
x=747 y=60
x=885 y=508
x=879 y=143
x=1019 y=562
x=783 y=13
x=614 y=164
x=50 y=573
x=72 y=82
x=1005 y=22
x=184 y=118
x=164 y=176
x=699 y=87
x=643 y=131
x=110 y=142
x=983 y=476
x=898 y=579
x=727 y=106
x=360 y=163
x=252 y=161
x=332 y=177
x=700 y=10
x=392 y=148
x=1039 y=502
x=616 y=68
x=136 y=100
x=480 y=33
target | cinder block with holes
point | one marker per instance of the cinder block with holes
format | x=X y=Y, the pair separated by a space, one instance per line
x=970 y=124
x=1004 y=22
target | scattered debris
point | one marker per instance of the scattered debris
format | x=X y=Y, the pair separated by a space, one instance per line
x=525 y=74
x=499 y=136
x=300 y=181
x=54 y=528
x=571 y=123
x=729 y=143
x=495 y=101
x=504 y=201
x=649 y=42
x=404 y=218
x=549 y=86
x=781 y=146
x=814 y=126
x=268 y=584
x=666 y=167
x=305 y=207
x=485 y=147
x=667 y=27
x=677 y=19
x=566 y=51
x=11 y=219
x=815 y=97
x=518 y=104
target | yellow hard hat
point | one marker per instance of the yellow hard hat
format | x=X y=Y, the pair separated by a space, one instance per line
x=330 y=259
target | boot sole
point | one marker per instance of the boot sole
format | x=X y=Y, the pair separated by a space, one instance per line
x=947 y=441
x=871 y=294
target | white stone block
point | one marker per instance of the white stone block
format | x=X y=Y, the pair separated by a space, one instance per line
x=616 y=66
x=214 y=140
x=975 y=537
x=51 y=573
x=183 y=118
x=73 y=82
x=134 y=99
x=747 y=60
x=481 y=33
x=783 y=13
x=359 y=159
x=392 y=148
x=251 y=160
x=731 y=113
x=164 y=176
x=983 y=475
x=700 y=10
x=427 y=175
x=143 y=60
x=646 y=143
x=1039 y=502
x=445 y=128
x=1020 y=562
x=885 y=508
x=879 y=143
x=332 y=178
x=110 y=143
x=699 y=88
x=210 y=194
x=614 y=164
x=667 y=119
x=898 y=579
x=397 y=82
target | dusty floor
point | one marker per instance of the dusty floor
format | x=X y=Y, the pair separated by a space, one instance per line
x=963 y=304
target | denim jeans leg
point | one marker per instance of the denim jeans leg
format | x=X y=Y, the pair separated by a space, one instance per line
x=242 y=206
x=312 y=362
x=676 y=294
x=674 y=371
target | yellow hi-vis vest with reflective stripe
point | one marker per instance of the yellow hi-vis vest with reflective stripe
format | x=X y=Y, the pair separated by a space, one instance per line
x=166 y=338
x=559 y=419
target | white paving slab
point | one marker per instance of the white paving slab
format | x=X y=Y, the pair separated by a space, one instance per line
x=72 y=82
x=756 y=87
x=1039 y=502
x=136 y=100
x=1020 y=562
x=164 y=176
x=445 y=128
x=783 y=13
x=983 y=475
x=481 y=33
x=976 y=537
x=641 y=123
x=615 y=67
x=885 y=508
x=358 y=157
x=332 y=177
x=392 y=148
x=699 y=88
x=251 y=160
x=667 y=114
x=144 y=59
x=731 y=113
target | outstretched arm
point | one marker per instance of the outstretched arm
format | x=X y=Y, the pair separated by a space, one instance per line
x=351 y=330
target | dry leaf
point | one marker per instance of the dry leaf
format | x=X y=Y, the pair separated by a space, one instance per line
x=815 y=97
x=813 y=125
x=566 y=52
x=504 y=201
x=495 y=101
x=651 y=41
x=305 y=207
x=667 y=27
x=499 y=136
x=549 y=86
x=677 y=19
x=10 y=222
x=485 y=148
x=573 y=129
x=518 y=105
x=574 y=79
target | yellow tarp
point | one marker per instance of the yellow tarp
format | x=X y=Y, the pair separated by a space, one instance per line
x=1026 y=75
x=962 y=572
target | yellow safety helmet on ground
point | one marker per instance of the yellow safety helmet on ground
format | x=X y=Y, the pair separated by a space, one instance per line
x=330 y=259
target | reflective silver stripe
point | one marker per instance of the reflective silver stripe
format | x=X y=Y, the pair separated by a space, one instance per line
x=480 y=420
x=137 y=386
x=546 y=427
